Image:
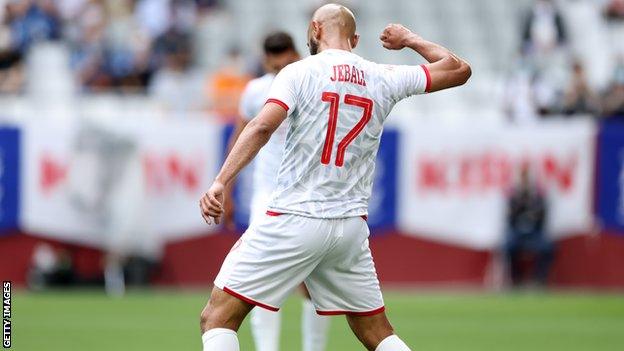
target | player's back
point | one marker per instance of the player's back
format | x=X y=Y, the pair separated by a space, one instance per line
x=337 y=104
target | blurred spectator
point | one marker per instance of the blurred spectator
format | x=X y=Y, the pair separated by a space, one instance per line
x=68 y=9
x=543 y=29
x=11 y=72
x=519 y=103
x=116 y=45
x=22 y=24
x=208 y=5
x=158 y=16
x=526 y=232
x=547 y=92
x=110 y=50
x=153 y=16
x=127 y=48
x=613 y=101
x=172 y=41
x=177 y=86
x=183 y=14
x=543 y=35
x=579 y=97
x=88 y=46
x=615 y=10
x=227 y=84
x=31 y=21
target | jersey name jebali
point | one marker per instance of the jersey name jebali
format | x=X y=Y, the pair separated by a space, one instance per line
x=337 y=103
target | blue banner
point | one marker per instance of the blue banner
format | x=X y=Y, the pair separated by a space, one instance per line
x=243 y=189
x=382 y=204
x=9 y=178
x=610 y=176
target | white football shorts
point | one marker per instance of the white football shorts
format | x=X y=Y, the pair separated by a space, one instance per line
x=280 y=251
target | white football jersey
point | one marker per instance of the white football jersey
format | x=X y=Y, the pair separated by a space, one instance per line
x=267 y=162
x=337 y=103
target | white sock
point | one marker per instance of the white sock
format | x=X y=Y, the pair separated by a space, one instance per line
x=314 y=328
x=265 y=327
x=220 y=339
x=392 y=343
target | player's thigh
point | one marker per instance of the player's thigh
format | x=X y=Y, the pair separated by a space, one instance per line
x=370 y=330
x=345 y=281
x=223 y=311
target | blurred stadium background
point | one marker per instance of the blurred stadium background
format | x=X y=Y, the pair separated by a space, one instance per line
x=114 y=116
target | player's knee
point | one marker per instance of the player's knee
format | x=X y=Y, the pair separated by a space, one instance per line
x=204 y=319
x=209 y=317
x=223 y=311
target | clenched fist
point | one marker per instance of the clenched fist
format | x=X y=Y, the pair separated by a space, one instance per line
x=211 y=204
x=396 y=36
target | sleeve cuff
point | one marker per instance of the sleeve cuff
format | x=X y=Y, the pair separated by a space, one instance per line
x=428 y=85
x=279 y=102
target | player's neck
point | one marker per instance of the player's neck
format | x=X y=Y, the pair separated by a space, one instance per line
x=336 y=44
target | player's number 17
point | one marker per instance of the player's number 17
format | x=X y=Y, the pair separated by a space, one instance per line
x=334 y=100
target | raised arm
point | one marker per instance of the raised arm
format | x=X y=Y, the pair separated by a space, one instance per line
x=253 y=137
x=445 y=68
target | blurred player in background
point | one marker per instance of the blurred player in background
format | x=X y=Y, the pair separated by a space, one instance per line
x=279 y=51
x=315 y=228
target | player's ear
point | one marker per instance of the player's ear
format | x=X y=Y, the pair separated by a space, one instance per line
x=355 y=40
x=316 y=30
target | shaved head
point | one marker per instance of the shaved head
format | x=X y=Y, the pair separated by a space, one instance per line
x=337 y=18
x=332 y=23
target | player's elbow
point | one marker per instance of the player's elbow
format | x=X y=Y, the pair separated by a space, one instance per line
x=459 y=74
x=464 y=72
x=455 y=72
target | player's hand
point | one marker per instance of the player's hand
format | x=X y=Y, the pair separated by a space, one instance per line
x=396 y=36
x=211 y=204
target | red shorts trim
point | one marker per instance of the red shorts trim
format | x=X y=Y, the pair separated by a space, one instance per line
x=248 y=300
x=428 y=86
x=359 y=314
x=279 y=102
x=275 y=214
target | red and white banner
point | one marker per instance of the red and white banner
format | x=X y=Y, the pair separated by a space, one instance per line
x=454 y=182
x=128 y=185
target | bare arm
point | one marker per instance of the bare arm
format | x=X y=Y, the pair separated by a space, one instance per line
x=446 y=69
x=241 y=123
x=252 y=138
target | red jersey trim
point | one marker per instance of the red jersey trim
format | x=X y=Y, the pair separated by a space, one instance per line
x=275 y=214
x=428 y=86
x=248 y=300
x=350 y=313
x=279 y=102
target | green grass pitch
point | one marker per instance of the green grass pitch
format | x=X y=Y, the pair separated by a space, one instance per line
x=168 y=320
